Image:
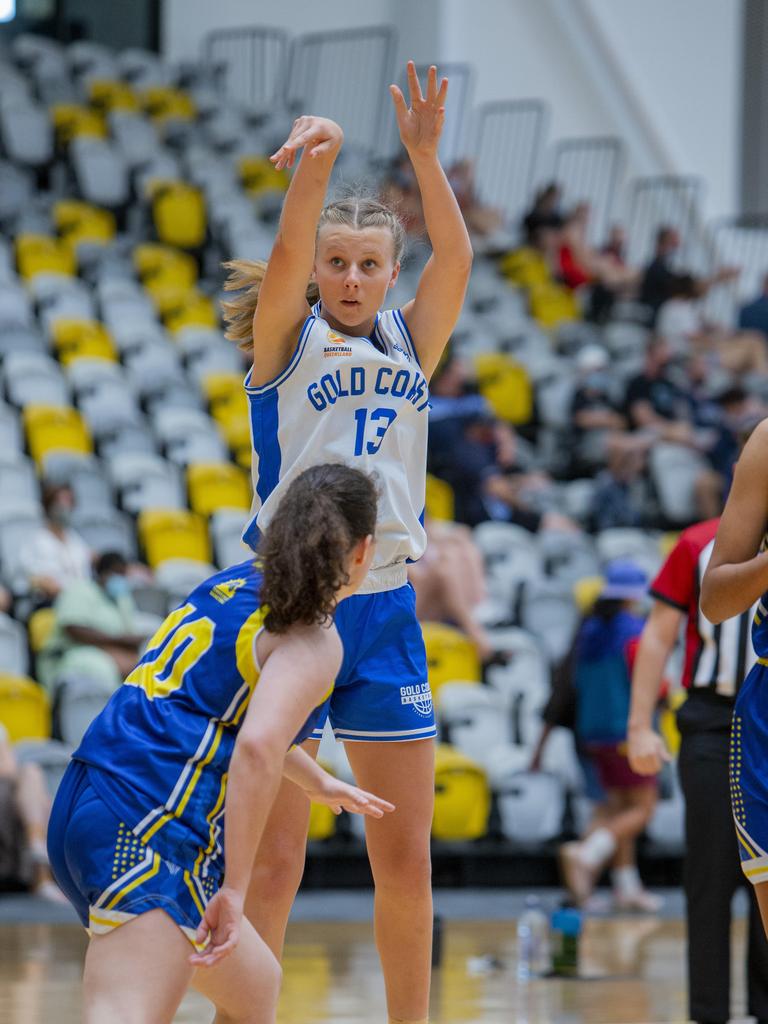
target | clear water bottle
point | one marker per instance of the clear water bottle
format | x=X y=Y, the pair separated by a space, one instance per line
x=532 y=941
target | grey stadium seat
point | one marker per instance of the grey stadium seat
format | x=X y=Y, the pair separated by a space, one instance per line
x=106 y=530
x=100 y=171
x=14 y=653
x=27 y=134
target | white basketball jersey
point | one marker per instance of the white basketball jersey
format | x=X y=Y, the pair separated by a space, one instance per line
x=360 y=401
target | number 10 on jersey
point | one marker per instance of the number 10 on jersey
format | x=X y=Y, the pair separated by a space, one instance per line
x=373 y=426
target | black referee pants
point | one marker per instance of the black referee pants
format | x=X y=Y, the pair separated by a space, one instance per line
x=711 y=876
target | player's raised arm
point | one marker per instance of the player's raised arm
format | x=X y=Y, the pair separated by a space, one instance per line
x=737 y=574
x=432 y=315
x=281 y=288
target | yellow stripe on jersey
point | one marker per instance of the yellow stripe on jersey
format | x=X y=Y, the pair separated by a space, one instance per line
x=245 y=654
x=214 y=746
x=745 y=844
x=195 y=895
x=211 y=822
x=149 y=873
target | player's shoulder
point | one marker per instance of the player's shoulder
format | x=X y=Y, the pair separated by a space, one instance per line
x=236 y=587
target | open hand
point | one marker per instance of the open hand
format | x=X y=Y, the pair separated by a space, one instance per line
x=421 y=124
x=340 y=796
x=317 y=135
x=220 y=926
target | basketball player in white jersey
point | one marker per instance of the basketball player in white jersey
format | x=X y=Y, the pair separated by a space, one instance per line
x=335 y=377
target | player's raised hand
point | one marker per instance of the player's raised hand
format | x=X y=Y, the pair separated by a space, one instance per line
x=340 y=796
x=317 y=135
x=220 y=927
x=421 y=123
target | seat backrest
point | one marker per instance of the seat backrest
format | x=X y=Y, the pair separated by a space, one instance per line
x=24 y=708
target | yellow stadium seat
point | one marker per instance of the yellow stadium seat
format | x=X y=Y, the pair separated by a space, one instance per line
x=451 y=656
x=173 y=533
x=505 y=384
x=163 y=266
x=24 y=709
x=226 y=395
x=462 y=797
x=42 y=254
x=111 y=94
x=216 y=485
x=195 y=310
x=237 y=433
x=322 y=820
x=40 y=627
x=55 y=428
x=259 y=175
x=71 y=121
x=73 y=339
x=526 y=267
x=440 y=499
x=586 y=591
x=553 y=304
x=667 y=541
x=179 y=214
x=81 y=222
x=164 y=103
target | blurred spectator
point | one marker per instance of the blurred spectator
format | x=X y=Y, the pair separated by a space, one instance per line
x=620 y=491
x=55 y=555
x=600 y=672
x=479 y=456
x=602 y=298
x=6 y=599
x=545 y=213
x=681 y=323
x=449 y=581
x=24 y=810
x=400 y=191
x=481 y=220
x=753 y=316
x=581 y=264
x=94 y=631
x=659 y=278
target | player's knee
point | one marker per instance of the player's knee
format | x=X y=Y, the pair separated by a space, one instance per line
x=279 y=872
x=260 y=990
x=408 y=869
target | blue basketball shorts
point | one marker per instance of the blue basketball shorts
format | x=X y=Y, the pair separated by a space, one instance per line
x=749 y=774
x=382 y=692
x=108 y=875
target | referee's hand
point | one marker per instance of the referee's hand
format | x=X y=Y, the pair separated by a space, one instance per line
x=646 y=751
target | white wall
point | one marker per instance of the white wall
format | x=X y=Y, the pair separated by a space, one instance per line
x=662 y=74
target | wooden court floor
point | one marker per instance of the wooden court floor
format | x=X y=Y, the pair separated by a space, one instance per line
x=634 y=974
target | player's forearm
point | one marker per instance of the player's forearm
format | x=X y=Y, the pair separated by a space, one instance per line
x=447 y=231
x=304 y=202
x=647 y=677
x=254 y=779
x=730 y=589
x=302 y=770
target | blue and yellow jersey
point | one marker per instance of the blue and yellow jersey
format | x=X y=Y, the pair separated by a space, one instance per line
x=760 y=620
x=163 y=743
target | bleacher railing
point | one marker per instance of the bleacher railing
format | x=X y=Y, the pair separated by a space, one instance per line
x=666 y=200
x=589 y=170
x=738 y=242
x=253 y=64
x=344 y=75
x=509 y=135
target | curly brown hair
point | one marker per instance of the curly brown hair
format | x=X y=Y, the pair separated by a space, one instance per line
x=323 y=514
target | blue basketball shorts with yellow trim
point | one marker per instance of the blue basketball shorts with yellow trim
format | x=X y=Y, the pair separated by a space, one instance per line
x=749 y=774
x=381 y=692
x=108 y=875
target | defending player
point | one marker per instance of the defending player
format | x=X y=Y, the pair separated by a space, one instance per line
x=342 y=378
x=736 y=577
x=201 y=726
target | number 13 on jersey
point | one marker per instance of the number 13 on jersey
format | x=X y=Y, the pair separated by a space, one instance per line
x=373 y=426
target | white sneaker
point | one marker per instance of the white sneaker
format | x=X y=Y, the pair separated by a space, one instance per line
x=578 y=876
x=639 y=900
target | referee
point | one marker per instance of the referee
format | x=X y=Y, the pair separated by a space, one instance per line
x=717 y=658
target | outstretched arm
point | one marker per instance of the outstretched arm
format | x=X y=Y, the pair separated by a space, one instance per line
x=282 y=306
x=432 y=315
x=737 y=574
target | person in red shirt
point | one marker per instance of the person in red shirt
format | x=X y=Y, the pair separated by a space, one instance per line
x=717 y=658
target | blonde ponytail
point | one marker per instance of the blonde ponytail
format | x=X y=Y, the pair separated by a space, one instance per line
x=245 y=277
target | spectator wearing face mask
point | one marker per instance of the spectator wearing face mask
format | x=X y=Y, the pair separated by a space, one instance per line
x=94 y=634
x=55 y=555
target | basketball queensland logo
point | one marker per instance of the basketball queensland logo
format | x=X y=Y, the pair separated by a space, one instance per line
x=337 y=346
x=419 y=696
